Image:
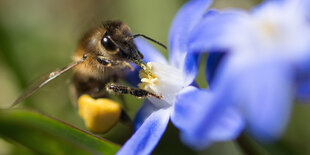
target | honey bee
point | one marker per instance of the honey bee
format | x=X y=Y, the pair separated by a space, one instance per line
x=103 y=57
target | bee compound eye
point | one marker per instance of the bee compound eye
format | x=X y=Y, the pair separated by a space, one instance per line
x=108 y=44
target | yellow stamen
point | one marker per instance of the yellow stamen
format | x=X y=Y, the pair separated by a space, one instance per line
x=147 y=69
x=147 y=77
x=269 y=28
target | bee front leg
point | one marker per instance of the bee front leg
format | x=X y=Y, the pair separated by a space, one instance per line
x=110 y=63
x=137 y=92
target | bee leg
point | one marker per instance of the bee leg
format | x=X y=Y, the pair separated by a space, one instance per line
x=110 y=63
x=120 y=89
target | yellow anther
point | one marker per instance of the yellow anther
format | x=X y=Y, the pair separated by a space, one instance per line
x=99 y=115
x=147 y=69
x=147 y=77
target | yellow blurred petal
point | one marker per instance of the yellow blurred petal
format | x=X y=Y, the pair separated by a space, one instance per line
x=99 y=115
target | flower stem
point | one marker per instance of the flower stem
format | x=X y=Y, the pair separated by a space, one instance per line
x=248 y=146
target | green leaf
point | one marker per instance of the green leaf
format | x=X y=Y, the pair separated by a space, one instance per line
x=46 y=135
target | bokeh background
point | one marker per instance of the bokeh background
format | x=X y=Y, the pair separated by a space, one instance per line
x=38 y=36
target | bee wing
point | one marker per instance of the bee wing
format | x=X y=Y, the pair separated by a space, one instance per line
x=44 y=80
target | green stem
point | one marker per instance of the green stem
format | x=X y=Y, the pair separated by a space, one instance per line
x=248 y=146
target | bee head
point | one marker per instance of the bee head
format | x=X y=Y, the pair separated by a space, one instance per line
x=118 y=41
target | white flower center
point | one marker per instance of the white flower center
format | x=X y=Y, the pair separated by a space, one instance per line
x=163 y=80
x=281 y=29
x=271 y=29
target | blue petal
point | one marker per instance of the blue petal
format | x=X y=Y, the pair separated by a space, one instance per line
x=144 y=112
x=303 y=87
x=213 y=62
x=191 y=62
x=183 y=110
x=262 y=90
x=227 y=127
x=306 y=5
x=187 y=17
x=193 y=115
x=304 y=91
x=210 y=13
x=190 y=68
x=255 y=91
x=265 y=94
x=207 y=36
x=303 y=77
x=150 y=53
x=144 y=140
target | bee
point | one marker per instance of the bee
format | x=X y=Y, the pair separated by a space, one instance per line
x=103 y=57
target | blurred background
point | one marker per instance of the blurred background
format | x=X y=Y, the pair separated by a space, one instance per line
x=38 y=36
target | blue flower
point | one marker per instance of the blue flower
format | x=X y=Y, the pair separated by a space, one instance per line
x=169 y=79
x=259 y=62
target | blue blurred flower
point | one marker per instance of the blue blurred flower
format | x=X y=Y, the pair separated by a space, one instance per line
x=262 y=60
x=171 y=80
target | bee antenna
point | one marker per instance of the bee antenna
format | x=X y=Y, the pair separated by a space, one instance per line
x=148 y=38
